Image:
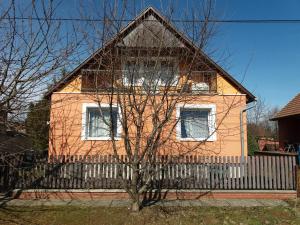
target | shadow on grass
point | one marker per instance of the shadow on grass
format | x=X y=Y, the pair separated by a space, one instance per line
x=154 y=196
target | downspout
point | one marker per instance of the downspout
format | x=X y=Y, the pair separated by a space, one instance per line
x=242 y=130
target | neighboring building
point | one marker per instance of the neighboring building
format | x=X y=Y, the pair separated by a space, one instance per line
x=212 y=95
x=12 y=141
x=289 y=123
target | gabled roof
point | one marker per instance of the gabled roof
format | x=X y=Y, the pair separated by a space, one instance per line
x=150 y=11
x=291 y=109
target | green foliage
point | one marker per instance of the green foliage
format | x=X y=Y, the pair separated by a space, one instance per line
x=36 y=124
x=252 y=144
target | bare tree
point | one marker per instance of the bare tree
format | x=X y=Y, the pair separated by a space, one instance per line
x=259 y=113
x=33 y=47
x=260 y=118
x=259 y=124
x=136 y=83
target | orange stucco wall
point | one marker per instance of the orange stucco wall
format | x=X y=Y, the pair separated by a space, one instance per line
x=224 y=87
x=66 y=123
x=66 y=127
x=73 y=86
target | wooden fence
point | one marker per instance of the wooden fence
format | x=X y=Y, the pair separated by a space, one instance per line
x=189 y=172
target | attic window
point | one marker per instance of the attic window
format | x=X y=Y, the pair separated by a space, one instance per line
x=132 y=73
x=150 y=72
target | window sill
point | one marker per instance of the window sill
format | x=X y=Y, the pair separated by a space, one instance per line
x=196 y=139
x=100 y=139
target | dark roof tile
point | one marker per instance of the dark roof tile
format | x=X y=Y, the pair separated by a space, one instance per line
x=291 y=109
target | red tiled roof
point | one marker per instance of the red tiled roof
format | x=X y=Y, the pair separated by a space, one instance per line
x=291 y=109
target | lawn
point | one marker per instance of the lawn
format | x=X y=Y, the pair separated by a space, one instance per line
x=151 y=215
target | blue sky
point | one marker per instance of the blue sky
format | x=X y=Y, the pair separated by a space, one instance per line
x=272 y=51
x=264 y=57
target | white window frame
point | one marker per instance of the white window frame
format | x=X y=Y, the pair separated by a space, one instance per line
x=84 y=127
x=157 y=59
x=211 y=121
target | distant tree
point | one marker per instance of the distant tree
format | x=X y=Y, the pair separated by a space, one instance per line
x=37 y=127
x=252 y=141
x=259 y=124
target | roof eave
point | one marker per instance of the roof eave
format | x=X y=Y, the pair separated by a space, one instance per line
x=284 y=117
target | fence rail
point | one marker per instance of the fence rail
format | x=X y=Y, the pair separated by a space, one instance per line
x=189 y=172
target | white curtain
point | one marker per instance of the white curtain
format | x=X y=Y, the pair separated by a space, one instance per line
x=132 y=73
x=149 y=73
x=194 y=123
x=99 y=122
x=167 y=73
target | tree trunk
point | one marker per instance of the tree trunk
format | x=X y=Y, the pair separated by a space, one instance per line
x=135 y=207
x=135 y=195
x=136 y=204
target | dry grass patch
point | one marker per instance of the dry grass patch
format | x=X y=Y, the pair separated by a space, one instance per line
x=150 y=215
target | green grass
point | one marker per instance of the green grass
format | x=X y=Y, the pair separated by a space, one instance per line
x=150 y=215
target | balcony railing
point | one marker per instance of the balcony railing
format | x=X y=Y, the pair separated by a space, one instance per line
x=195 y=82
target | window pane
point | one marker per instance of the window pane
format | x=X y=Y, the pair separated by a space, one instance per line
x=99 y=122
x=149 y=66
x=194 y=123
x=167 y=72
x=132 y=73
x=150 y=72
